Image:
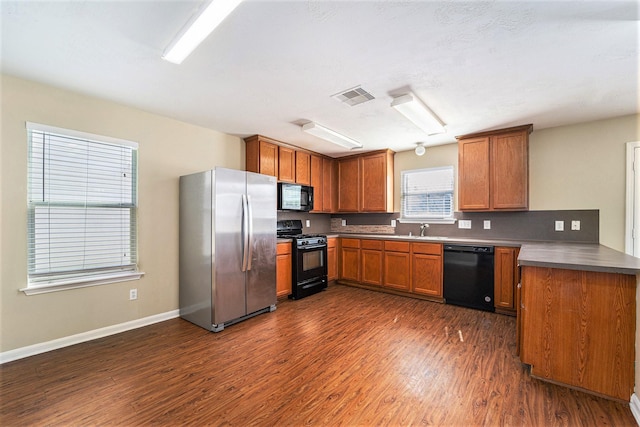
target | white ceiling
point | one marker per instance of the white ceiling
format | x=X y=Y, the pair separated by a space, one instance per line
x=272 y=65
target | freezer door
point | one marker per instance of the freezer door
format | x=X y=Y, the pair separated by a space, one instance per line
x=261 y=274
x=195 y=252
x=229 y=300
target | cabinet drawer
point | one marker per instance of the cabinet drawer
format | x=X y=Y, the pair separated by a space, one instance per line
x=350 y=243
x=283 y=248
x=396 y=246
x=427 y=248
x=371 y=244
x=332 y=242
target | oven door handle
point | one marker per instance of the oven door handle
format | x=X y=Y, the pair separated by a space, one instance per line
x=311 y=247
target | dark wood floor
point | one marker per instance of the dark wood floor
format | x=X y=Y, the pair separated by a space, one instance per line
x=346 y=356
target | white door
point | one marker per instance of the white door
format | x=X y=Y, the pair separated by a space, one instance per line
x=636 y=202
x=633 y=199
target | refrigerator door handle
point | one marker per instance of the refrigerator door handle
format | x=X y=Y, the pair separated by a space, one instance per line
x=250 y=238
x=245 y=232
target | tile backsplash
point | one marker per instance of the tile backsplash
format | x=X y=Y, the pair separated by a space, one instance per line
x=337 y=227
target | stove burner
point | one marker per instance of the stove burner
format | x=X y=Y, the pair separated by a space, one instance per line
x=292 y=229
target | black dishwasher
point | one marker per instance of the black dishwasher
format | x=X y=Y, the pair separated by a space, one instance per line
x=468 y=276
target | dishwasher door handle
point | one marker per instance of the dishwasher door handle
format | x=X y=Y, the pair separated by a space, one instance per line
x=469 y=249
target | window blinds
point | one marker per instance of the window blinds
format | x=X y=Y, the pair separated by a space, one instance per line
x=427 y=194
x=81 y=205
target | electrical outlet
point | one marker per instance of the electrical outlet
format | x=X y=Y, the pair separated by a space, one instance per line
x=393 y=222
x=344 y=222
x=575 y=225
x=559 y=225
x=464 y=223
x=308 y=223
x=487 y=224
x=133 y=294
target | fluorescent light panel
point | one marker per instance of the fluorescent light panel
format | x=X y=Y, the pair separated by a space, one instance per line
x=199 y=29
x=416 y=111
x=330 y=135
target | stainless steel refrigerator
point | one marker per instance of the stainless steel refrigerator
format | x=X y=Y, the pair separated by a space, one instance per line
x=227 y=246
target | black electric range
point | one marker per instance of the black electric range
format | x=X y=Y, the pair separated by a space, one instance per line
x=309 y=259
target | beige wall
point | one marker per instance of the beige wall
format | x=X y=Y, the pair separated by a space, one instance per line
x=570 y=167
x=167 y=149
x=583 y=167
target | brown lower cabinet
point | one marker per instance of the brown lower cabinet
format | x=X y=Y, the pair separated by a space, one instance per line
x=350 y=259
x=397 y=260
x=578 y=328
x=332 y=258
x=371 y=259
x=397 y=266
x=283 y=269
x=506 y=278
x=426 y=268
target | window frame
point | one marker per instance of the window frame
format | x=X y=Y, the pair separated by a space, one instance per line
x=51 y=281
x=444 y=219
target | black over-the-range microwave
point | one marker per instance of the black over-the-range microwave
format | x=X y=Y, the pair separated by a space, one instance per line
x=295 y=197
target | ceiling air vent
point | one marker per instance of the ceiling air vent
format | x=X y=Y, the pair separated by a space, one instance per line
x=353 y=96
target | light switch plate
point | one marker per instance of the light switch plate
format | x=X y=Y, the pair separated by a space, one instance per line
x=559 y=225
x=308 y=223
x=393 y=222
x=464 y=223
x=487 y=224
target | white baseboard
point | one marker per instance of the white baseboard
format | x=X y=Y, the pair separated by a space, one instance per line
x=32 y=350
x=635 y=407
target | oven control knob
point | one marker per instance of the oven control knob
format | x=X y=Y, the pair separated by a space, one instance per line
x=303 y=243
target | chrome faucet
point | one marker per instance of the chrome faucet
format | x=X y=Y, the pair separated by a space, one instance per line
x=423 y=229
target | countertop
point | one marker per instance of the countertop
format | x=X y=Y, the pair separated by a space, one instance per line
x=434 y=239
x=576 y=256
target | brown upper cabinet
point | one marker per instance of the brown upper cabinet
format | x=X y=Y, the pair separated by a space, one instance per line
x=365 y=182
x=286 y=164
x=303 y=168
x=316 y=183
x=261 y=156
x=349 y=184
x=493 y=170
x=329 y=183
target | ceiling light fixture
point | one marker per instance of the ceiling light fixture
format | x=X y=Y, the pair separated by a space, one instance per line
x=330 y=135
x=198 y=29
x=416 y=111
x=420 y=150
